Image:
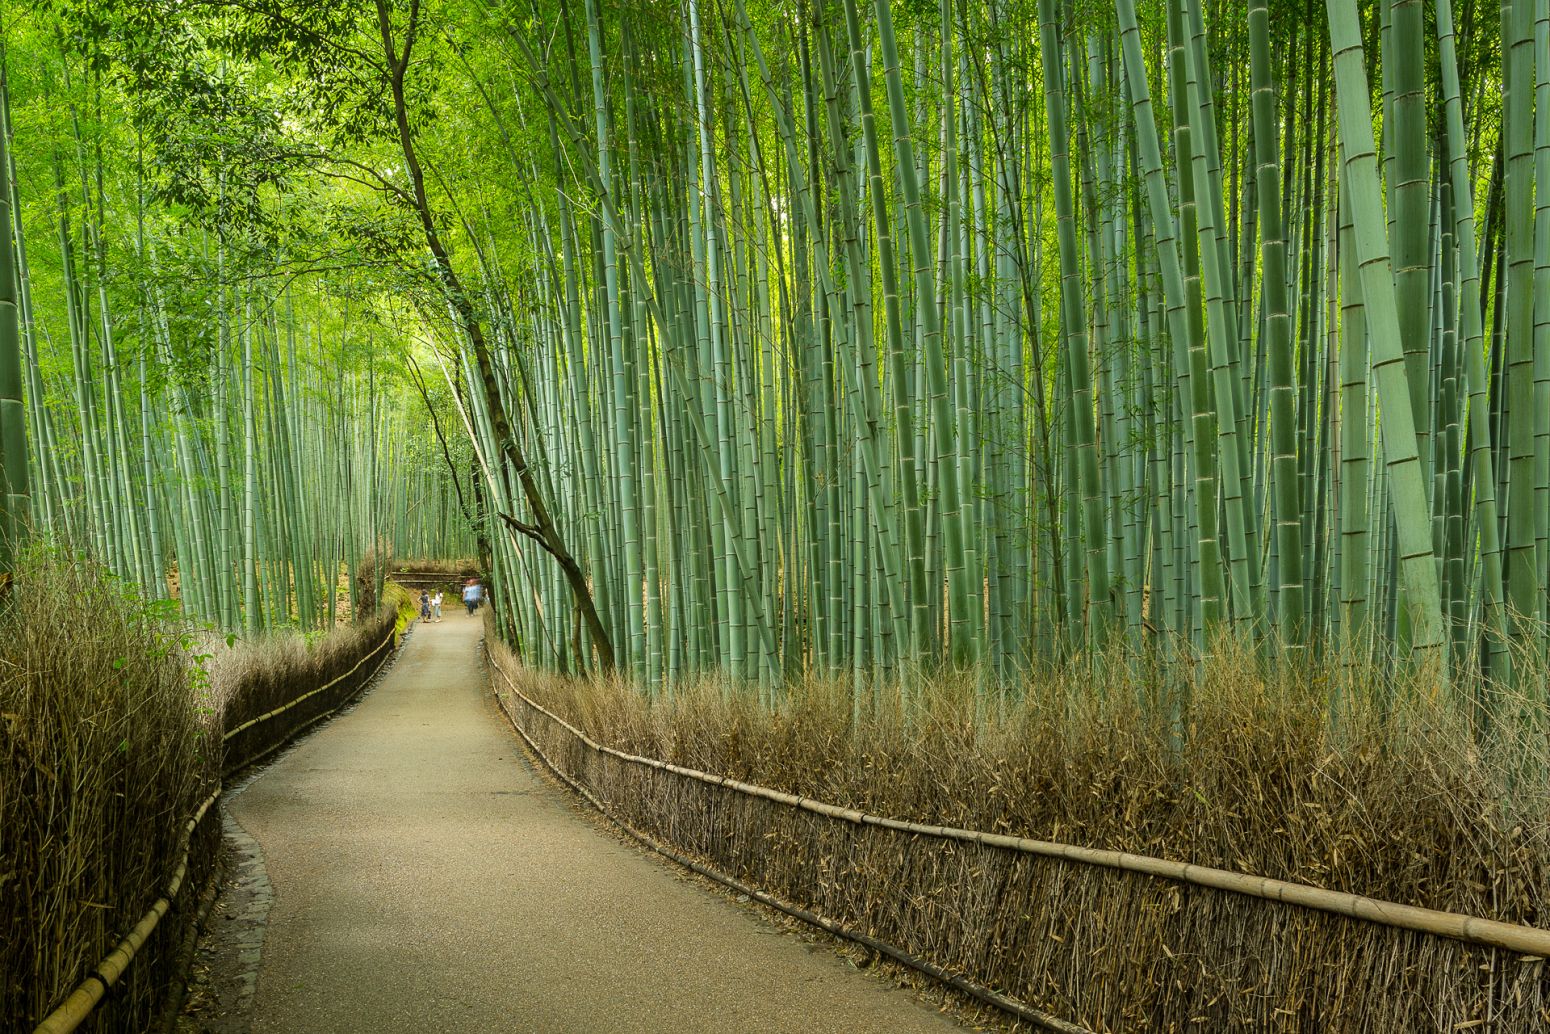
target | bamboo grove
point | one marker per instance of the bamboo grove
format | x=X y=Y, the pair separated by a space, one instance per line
x=853 y=336
x=175 y=407
x=883 y=336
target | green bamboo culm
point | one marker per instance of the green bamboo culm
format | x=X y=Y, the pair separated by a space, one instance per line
x=15 y=493
x=1521 y=559
x=1419 y=587
x=1074 y=325
x=1277 y=331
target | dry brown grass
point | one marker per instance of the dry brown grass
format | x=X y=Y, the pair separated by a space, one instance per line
x=1399 y=802
x=111 y=722
x=106 y=747
x=258 y=675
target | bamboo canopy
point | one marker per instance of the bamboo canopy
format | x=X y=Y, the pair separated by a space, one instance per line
x=859 y=338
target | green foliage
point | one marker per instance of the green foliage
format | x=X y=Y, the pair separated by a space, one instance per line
x=796 y=356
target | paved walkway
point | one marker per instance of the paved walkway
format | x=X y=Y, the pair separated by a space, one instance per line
x=426 y=879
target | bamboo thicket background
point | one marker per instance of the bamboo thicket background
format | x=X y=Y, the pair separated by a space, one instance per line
x=826 y=337
x=994 y=333
x=215 y=424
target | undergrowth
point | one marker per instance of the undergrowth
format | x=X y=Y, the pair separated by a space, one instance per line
x=254 y=676
x=1385 y=800
x=1305 y=774
x=112 y=714
x=108 y=741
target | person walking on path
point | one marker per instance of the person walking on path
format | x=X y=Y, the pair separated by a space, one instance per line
x=425 y=605
x=436 y=606
x=472 y=594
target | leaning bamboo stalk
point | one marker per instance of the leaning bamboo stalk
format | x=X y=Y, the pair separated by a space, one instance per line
x=1183 y=317
x=1242 y=556
x=1412 y=510
x=1487 y=525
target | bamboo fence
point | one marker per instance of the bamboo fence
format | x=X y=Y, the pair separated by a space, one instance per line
x=243 y=748
x=1060 y=935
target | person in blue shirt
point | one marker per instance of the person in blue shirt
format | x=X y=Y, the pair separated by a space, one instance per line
x=473 y=595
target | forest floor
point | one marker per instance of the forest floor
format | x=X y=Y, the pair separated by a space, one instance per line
x=405 y=868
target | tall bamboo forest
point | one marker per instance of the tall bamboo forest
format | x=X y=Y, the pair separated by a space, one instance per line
x=850 y=338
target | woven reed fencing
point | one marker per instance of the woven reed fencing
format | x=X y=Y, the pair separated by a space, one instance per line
x=263 y=712
x=266 y=712
x=1064 y=938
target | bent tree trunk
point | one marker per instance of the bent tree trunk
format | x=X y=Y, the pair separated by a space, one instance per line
x=542 y=530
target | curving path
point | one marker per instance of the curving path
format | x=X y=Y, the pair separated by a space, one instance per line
x=426 y=879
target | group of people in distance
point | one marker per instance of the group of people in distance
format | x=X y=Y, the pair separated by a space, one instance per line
x=430 y=606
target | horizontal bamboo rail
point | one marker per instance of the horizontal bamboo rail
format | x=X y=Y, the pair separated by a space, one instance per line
x=254 y=759
x=74 y=1010
x=89 y=992
x=976 y=991
x=1525 y=940
x=267 y=715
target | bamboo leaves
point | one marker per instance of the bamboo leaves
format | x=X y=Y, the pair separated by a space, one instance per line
x=871 y=338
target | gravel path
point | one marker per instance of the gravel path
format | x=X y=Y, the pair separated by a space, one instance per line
x=426 y=879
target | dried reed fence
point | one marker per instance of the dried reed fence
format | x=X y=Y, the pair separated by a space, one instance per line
x=279 y=688
x=432 y=575
x=111 y=755
x=106 y=749
x=1098 y=947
